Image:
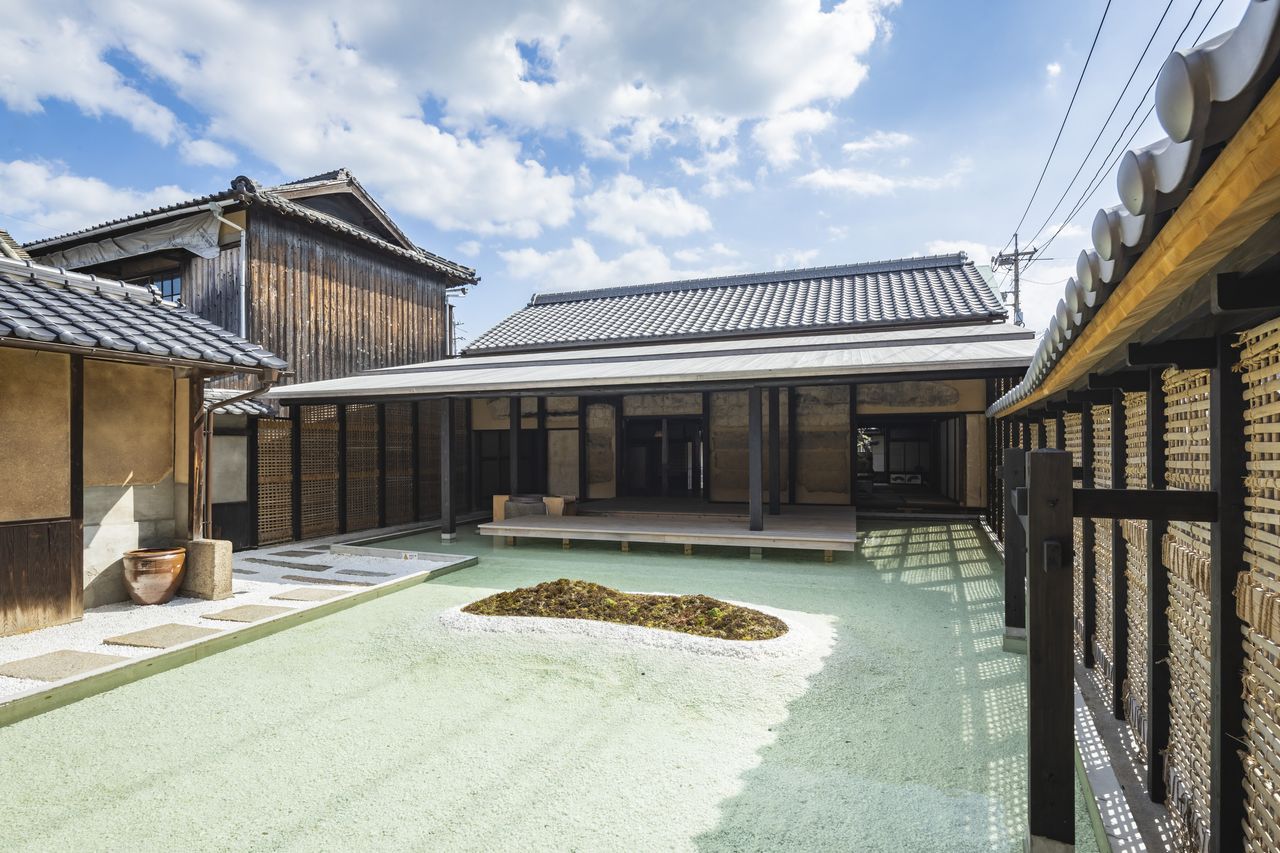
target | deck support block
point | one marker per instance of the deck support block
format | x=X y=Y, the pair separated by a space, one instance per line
x=448 y=537
x=827 y=556
x=688 y=550
x=756 y=553
x=566 y=544
x=626 y=547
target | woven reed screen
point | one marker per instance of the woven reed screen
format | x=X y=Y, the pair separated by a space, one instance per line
x=1071 y=435
x=1034 y=429
x=275 y=480
x=1135 y=538
x=362 y=467
x=1104 y=635
x=1186 y=556
x=429 y=459
x=1258 y=588
x=399 y=458
x=1050 y=432
x=319 y=461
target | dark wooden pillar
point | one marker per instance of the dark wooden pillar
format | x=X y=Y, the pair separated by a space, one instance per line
x=251 y=484
x=448 y=527
x=793 y=445
x=513 y=434
x=583 y=481
x=342 y=467
x=415 y=455
x=195 y=453
x=664 y=457
x=382 y=465
x=853 y=444
x=706 y=445
x=1158 y=698
x=619 y=438
x=1226 y=654
x=755 y=460
x=1088 y=559
x=1051 y=777
x=75 y=471
x=775 y=452
x=1119 y=560
x=469 y=453
x=295 y=465
x=540 y=479
x=1014 y=472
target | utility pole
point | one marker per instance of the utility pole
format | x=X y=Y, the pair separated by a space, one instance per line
x=1014 y=259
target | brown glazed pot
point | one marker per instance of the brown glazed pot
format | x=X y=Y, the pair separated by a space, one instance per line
x=153 y=575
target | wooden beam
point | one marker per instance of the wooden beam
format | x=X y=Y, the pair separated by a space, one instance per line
x=755 y=460
x=1226 y=655
x=583 y=481
x=1150 y=504
x=382 y=464
x=75 y=469
x=448 y=522
x=342 y=468
x=251 y=477
x=1158 y=686
x=706 y=445
x=793 y=444
x=1088 y=556
x=1119 y=562
x=619 y=443
x=1125 y=380
x=470 y=454
x=853 y=444
x=1051 y=781
x=664 y=457
x=1230 y=292
x=295 y=466
x=415 y=456
x=1187 y=354
x=540 y=446
x=195 y=451
x=1090 y=396
x=775 y=452
x=513 y=440
x=1013 y=473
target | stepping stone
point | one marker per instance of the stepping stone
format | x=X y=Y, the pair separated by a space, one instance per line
x=248 y=613
x=316 y=549
x=297 y=552
x=290 y=564
x=163 y=636
x=58 y=665
x=326 y=581
x=364 y=574
x=315 y=593
x=243 y=572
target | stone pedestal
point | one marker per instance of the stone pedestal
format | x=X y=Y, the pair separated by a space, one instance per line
x=208 y=571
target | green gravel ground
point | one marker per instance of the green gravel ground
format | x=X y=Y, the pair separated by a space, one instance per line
x=378 y=728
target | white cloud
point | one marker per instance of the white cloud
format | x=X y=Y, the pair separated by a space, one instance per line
x=628 y=211
x=46 y=199
x=469 y=248
x=716 y=166
x=703 y=255
x=879 y=141
x=578 y=266
x=861 y=182
x=778 y=136
x=1053 y=69
x=838 y=232
x=795 y=258
x=203 y=152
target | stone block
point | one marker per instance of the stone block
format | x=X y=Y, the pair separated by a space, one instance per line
x=208 y=571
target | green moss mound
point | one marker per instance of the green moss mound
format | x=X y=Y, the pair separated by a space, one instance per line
x=688 y=614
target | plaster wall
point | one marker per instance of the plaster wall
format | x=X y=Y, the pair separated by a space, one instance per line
x=562 y=461
x=914 y=397
x=228 y=469
x=658 y=405
x=730 y=454
x=35 y=433
x=975 y=476
x=601 y=438
x=822 y=454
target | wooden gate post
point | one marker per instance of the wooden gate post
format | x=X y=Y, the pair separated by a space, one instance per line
x=1013 y=472
x=1050 y=655
x=448 y=527
x=1157 y=599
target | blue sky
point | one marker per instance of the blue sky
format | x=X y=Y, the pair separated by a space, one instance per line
x=556 y=145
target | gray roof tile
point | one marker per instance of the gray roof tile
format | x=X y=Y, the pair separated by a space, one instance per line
x=49 y=306
x=911 y=291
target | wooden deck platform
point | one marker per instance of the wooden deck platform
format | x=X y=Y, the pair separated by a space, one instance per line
x=827 y=529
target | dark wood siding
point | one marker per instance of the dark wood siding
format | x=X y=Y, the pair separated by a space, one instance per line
x=333 y=308
x=41 y=575
x=210 y=287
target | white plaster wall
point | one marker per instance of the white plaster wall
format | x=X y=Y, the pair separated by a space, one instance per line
x=118 y=519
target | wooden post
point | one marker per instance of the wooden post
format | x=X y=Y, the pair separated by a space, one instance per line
x=583 y=481
x=1089 y=558
x=619 y=439
x=793 y=447
x=415 y=455
x=295 y=466
x=540 y=479
x=706 y=445
x=664 y=459
x=448 y=527
x=755 y=460
x=382 y=465
x=75 y=472
x=513 y=433
x=195 y=453
x=775 y=453
x=342 y=467
x=1014 y=473
x=1158 y=698
x=471 y=475
x=1050 y=693
x=1119 y=579
x=1226 y=654
x=251 y=477
x=853 y=444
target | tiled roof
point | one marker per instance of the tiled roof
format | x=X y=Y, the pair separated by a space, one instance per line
x=245 y=190
x=1202 y=97
x=250 y=408
x=9 y=245
x=42 y=305
x=912 y=291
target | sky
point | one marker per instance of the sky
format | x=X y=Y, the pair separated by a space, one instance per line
x=558 y=144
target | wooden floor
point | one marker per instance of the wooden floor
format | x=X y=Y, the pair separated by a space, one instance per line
x=816 y=528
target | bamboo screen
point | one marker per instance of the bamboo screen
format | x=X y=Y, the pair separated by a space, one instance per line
x=1186 y=556
x=399 y=461
x=429 y=459
x=1103 y=581
x=319 y=462
x=1050 y=432
x=362 y=467
x=1071 y=424
x=1258 y=588
x=275 y=480
x=1135 y=538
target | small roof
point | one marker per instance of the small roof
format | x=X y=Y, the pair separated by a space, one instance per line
x=889 y=353
x=51 y=308
x=250 y=408
x=10 y=248
x=910 y=291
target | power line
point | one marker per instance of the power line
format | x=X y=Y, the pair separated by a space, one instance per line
x=1065 y=116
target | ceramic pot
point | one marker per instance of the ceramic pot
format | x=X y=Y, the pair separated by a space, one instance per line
x=153 y=575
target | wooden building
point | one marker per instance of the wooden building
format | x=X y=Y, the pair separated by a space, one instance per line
x=861 y=384
x=100 y=413
x=315 y=270
x=1143 y=512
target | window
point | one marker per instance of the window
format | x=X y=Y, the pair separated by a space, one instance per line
x=168 y=283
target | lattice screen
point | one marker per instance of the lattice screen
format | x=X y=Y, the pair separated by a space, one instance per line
x=399 y=479
x=362 y=467
x=1186 y=556
x=429 y=459
x=319 y=462
x=275 y=480
x=1258 y=589
x=1071 y=433
x=1104 y=586
x=1050 y=432
x=1135 y=538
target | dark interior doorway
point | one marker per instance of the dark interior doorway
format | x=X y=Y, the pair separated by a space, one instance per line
x=662 y=457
